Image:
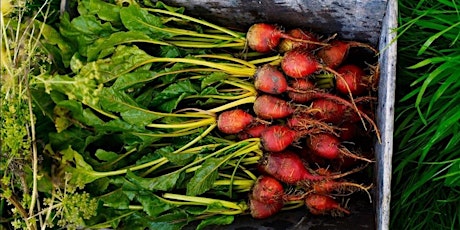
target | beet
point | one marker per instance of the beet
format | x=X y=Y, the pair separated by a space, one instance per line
x=287 y=44
x=277 y=138
x=353 y=79
x=324 y=205
x=268 y=190
x=271 y=107
x=269 y=79
x=234 y=121
x=334 y=54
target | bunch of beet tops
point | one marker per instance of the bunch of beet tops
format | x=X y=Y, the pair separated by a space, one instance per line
x=165 y=119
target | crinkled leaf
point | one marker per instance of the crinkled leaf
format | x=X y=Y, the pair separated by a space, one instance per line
x=137 y=19
x=104 y=10
x=107 y=44
x=85 y=30
x=216 y=220
x=75 y=136
x=124 y=59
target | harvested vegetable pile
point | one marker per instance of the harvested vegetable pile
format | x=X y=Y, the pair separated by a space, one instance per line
x=161 y=119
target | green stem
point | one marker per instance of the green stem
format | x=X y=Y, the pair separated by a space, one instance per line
x=245 y=183
x=202 y=22
x=266 y=60
x=204 y=201
x=228 y=58
x=188 y=124
x=196 y=139
x=232 y=104
x=222 y=67
x=133 y=168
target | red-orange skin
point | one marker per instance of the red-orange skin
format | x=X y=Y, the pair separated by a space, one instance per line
x=328 y=111
x=277 y=138
x=253 y=131
x=288 y=44
x=353 y=76
x=268 y=190
x=261 y=210
x=271 y=107
x=302 y=84
x=324 y=145
x=269 y=79
x=234 y=121
x=286 y=167
x=263 y=37
x=299 y=63
x=334 y=54
x=323 y=205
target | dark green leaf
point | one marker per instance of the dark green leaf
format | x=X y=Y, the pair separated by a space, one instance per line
x=152 y=205
x=215 y=220
x=105 y=155
x=165 y=182
x=136 y=19
x=116 y=199
x=170 y=221
x=104 y=10
x=175 y=158
x=204 y=177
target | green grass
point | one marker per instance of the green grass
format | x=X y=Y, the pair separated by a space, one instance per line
x=426 y=163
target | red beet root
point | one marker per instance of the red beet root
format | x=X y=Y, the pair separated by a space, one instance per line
x=270 y=107
x=334 y=54
x=269 y=79
x=328 y=146
x=324 y=205
x=234 y=121
x=353 y=77
x=261 y=210
x=301 y=84
x=299 y=63
x=277 y=138
x=326 y=187
x=268 y=190
x=287 y=167
x=328 y=110
x=263 y=37
x=287 y=44
x=253 y=131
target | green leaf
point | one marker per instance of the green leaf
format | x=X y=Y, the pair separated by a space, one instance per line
x=204 y=177
x=136 y=19
x=132 y=113
x=215 y=220
x=152 y=204
x=175 y=158
x=105 y=155
x=116 y=199
x=165 y=182
x=104 y=10
x=170 y=221
x=213 y=78
x=108 y=44
x=168 y=99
